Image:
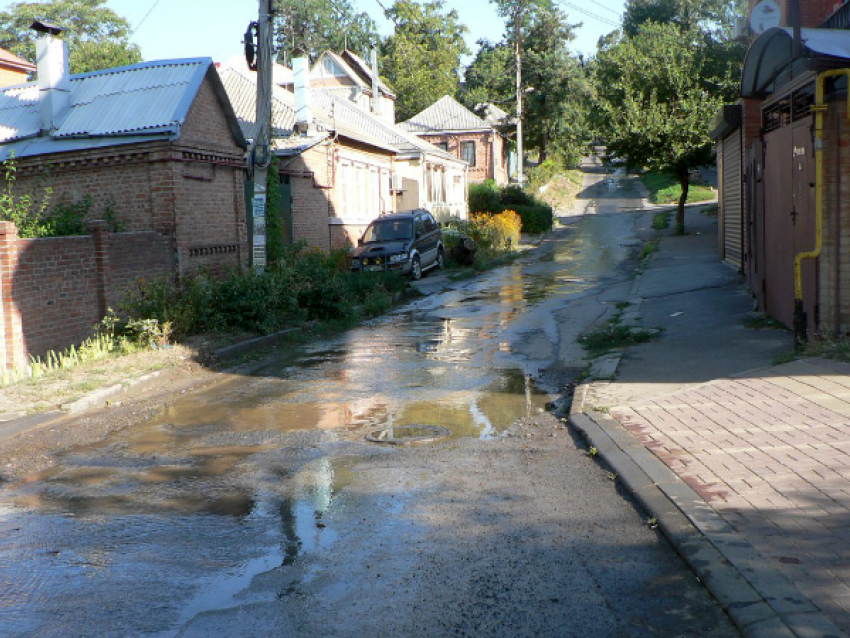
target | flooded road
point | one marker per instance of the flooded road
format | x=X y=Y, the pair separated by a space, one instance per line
x=256 y=507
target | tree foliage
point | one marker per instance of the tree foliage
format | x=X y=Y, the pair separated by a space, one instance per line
x=315 y=26
x=715 y=16
x=553 y=81
x=97 y=37
x=421 y=58
x=658 y=91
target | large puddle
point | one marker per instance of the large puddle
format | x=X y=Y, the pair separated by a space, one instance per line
x=173 y=517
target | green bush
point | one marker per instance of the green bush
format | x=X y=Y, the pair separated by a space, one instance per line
x=513 y=195
x=484 y=198
x=536 y=218
x=306 y=284
x=542 y=173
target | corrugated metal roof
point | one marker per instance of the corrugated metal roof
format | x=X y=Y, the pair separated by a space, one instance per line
x=242 y=91
x=19 y=114
x=365 y=71
x=346 y=112
x=446 y=114
x=152 y=96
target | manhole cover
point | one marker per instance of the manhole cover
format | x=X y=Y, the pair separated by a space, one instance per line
x=407 y=434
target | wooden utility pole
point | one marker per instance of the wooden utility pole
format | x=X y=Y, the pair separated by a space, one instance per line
x=261 y=155
x=518 y=35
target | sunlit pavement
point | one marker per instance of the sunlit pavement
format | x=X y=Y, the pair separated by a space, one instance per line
x=758 y=461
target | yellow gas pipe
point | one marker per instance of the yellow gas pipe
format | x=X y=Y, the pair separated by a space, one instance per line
x=819 y=108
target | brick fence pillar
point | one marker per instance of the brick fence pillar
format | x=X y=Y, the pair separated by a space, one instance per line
x=12 y=347
x=99 y=231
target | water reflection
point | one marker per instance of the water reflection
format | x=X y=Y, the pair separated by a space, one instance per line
x=138 y=534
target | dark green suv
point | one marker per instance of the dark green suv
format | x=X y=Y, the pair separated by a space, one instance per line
x=410 y=242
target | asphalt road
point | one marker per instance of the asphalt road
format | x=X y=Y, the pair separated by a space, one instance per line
x=256 y=507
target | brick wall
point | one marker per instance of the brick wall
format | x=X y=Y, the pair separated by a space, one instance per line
x=54 y=290
x=311 y=175
x=483 y=168
x=134 y=256
x=834 y=263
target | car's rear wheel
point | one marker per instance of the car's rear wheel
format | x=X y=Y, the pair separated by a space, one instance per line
x=416 y=268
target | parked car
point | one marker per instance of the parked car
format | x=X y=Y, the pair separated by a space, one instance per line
x=409 y=242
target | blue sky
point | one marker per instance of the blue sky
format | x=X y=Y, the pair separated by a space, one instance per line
x=214 y=28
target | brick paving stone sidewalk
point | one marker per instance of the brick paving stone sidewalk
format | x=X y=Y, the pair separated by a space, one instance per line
x=770 y=452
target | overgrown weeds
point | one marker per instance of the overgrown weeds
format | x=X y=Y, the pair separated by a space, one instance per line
x=614 y=335
x=305 y=285
x=661 y=221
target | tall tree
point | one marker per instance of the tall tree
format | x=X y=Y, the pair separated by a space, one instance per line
x=97 y=37
x=714 y=16
x=489 y=78
x=658 y=90
x=556 y=85
x=422 y=57
x=518 y=14
x=315 y=26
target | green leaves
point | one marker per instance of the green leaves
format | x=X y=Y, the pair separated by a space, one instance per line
x=315 y=26
x=97 y=37
x=421 y=59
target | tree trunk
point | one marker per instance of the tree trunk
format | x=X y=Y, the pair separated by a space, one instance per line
x=544 y=147
x=680 y=210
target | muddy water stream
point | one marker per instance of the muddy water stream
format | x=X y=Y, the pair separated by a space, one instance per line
x=138 y=534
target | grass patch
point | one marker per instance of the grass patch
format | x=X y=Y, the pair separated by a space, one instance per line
x=664 y=189
x=761 y=321
x=613 y=335
x=661 y=221
x=648 y=249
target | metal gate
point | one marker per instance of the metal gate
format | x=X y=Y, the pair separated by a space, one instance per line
x=788 y=215
x=730 y=199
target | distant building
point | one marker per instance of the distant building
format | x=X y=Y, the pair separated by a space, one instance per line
x=455 y=129
x=14 y=70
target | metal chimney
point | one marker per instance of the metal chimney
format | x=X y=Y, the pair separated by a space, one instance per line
x=303 y=112
x=376 y=89
x=54 y=74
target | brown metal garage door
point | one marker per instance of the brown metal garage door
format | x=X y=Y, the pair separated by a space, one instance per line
x=732 y=210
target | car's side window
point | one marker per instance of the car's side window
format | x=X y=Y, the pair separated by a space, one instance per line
x=430 y=224
x=420 y=226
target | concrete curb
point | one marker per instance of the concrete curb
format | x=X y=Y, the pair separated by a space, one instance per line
x=761 y=602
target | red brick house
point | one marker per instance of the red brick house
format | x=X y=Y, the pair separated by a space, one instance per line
x=157 y=148
x=773 y=198
x=455 y=129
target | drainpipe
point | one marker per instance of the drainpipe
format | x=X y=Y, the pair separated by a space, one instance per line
x=819 y=108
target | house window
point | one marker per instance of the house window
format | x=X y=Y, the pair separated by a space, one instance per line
x=467 y=152
x=329 y=67
x=443 y=146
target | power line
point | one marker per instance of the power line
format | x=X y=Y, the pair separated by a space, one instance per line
x=590 y=14
x=142 y=21
x=614 y=11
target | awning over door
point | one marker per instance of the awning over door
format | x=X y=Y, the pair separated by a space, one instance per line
x=770 y=60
